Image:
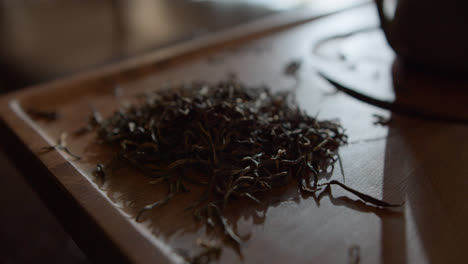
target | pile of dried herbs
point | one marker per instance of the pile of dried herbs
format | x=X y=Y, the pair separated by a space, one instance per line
x=245 y=140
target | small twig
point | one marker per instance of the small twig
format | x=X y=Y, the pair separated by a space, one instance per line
x=354 y=255
x=39 y=114
x=227 y=229
x=62 y=145
x=366 y=198
x=153 y=205
x=382 y=120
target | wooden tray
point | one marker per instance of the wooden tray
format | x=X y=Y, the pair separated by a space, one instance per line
x=415 y=161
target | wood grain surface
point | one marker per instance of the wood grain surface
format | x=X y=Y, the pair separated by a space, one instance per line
x=420 y=163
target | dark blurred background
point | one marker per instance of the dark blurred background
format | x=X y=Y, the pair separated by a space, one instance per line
x=41 y=40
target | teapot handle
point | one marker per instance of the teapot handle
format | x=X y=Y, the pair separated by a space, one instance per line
x=385 y=22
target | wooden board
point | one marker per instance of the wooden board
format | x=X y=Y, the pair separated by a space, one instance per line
x=419 y=162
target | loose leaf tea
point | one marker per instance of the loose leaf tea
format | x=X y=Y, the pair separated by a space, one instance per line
x=99 y=172
x=245 y=140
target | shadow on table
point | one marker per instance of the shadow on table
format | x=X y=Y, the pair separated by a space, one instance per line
x=425 y=164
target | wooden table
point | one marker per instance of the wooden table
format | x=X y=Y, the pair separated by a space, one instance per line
x=420 y=163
